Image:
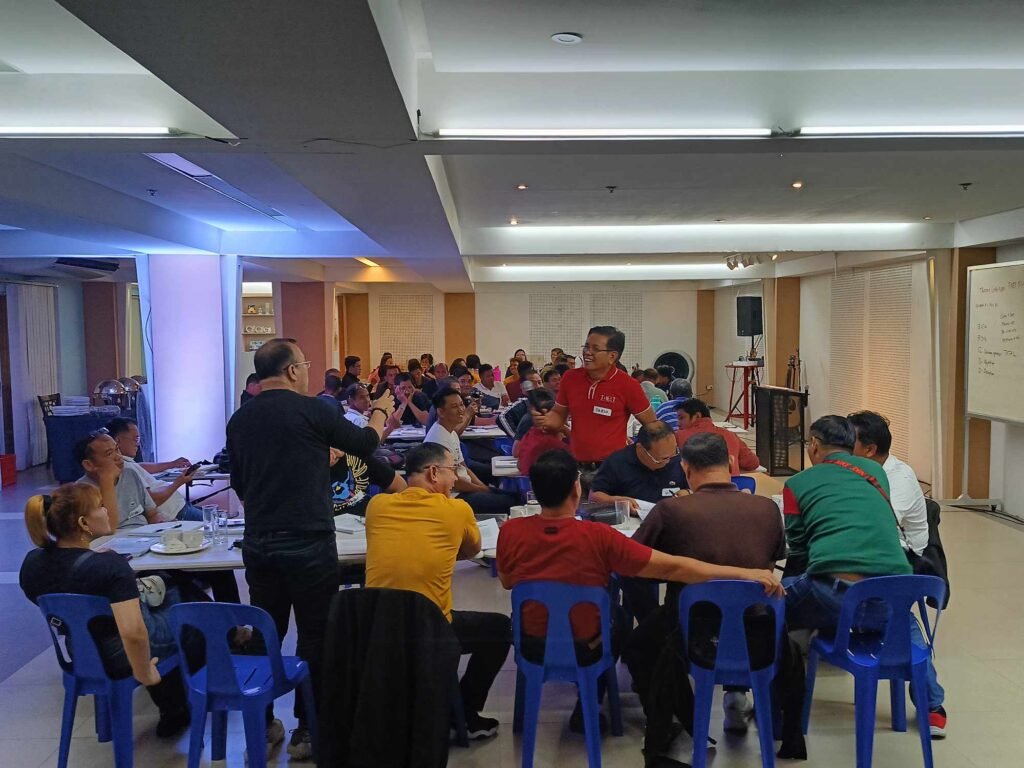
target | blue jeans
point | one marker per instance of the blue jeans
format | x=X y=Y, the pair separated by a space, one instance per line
x=815 y=603
x=188 y=512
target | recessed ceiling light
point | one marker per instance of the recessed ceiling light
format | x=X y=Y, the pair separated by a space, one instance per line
x=775 y=257
x=927 y=218
x=567 y=38
x=521 y=186
x=797 y=184
x=513 y=221
x=367 y=262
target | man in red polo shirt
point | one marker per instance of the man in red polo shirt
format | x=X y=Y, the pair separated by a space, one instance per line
x=600 y=397
x=695 y=416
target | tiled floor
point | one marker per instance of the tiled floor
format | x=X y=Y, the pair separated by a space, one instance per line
x=980 y=662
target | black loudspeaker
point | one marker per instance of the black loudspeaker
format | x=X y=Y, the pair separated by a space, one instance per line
x=748 y=316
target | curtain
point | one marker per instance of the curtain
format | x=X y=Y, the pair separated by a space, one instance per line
x=32 y=326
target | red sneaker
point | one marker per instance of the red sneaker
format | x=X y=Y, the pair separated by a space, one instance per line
x=937 y=723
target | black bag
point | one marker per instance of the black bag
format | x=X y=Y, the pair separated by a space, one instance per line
x=932 y=561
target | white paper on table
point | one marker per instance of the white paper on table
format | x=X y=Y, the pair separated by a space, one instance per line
x=645 y=508
x=627 y=532
x=488 y=533
x=155 y=529
x=349 y=523
x=352 y=544
x=136 y=546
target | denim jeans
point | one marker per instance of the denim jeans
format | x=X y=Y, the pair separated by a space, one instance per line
x=293 y=570
x=815 y=603
x=189 y=512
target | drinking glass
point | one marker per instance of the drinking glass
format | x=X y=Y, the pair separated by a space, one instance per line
x=220 y=534
x=210 y=520
x=621 y=511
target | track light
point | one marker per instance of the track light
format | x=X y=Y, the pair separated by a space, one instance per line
x=731 y=262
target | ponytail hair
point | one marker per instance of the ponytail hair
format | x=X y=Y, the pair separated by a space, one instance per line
x=49 y=518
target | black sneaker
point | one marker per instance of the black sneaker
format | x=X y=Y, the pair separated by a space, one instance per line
x=300 y=747
x=576 y=721
x=172 y=723
x=478 y=727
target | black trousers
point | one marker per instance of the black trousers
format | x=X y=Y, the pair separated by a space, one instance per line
x=290 y=570
x=486 y=637
x=484 y=503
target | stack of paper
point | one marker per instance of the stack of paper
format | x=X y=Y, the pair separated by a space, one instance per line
x=645 y=508
x=348 y=523
x=352 y=544
x=488 y=533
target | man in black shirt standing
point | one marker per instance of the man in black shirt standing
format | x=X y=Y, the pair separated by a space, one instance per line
x=279 y=446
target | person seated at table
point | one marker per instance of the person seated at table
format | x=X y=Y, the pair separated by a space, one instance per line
x=458 y=362
x=353 y=370
x=427 y=361
x=358 y=406
x=537 y=440
x=473 y=400
x=126 y=431
x=387 y=384
x=473 y=364
x=451 y=413
x=493 y=392
x=512 y=372
x=125 y=498
x=647 y=471
x=655 y=396
x=717 y=524
x=516 y=420
x=333 y=391
x=378 y=374
x=329 y=372
x=413 y=409
x=556 y=546
x=695 y=416
x=552 y=378
x=516 y=388
x=171 y=505
x=420 y=380
x=252 y=388
x=665 y=375
x=413 y=539
x=62 y=526
x=679 y=391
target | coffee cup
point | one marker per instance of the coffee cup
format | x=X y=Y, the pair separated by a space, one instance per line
x=518 y=511
x=192 y=539
x=172 y=541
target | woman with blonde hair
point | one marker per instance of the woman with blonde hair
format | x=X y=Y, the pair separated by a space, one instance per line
x=63 y=526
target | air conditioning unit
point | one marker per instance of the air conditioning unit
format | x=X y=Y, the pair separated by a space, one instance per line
x=73 y=267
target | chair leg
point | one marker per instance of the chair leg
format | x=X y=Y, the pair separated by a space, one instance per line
x=67 y=725
x=763 y=710
x=812 y=671
x=197 y=710
x=865 y=691
x=255 y=720
x=898 y=705
x=704 y=691
x=614 y=705
x=532 y=686
x=102 y=708
x=121 y=725
x=517 y=709
x=218 y=734
x=919 y=684
x=587 y=687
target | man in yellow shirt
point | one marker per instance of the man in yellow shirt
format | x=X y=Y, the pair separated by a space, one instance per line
x=413 y=540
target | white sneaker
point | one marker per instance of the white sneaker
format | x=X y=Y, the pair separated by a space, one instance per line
x=275 y=735
x=738 y=711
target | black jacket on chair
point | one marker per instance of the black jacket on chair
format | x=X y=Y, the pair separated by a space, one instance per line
x=390 y=659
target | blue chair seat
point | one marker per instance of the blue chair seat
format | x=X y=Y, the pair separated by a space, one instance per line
x=234 y=682
x=745 y=483
x=886 y=654
x=84 y=675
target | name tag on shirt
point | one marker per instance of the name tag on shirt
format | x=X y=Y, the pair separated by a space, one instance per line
x=602 y=411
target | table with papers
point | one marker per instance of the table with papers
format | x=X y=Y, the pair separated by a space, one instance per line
x=416 y=434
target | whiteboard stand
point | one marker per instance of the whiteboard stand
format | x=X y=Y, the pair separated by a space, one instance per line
x=965 y=500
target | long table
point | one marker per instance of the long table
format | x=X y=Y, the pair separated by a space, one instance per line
x=416 y=434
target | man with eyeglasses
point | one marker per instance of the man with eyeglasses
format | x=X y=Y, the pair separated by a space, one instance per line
x=599 y=397
x=413 y=539
x=649 y=470
x=279 y=446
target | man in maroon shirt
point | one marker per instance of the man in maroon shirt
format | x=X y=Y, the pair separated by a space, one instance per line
x=600 y=397
x=555 y=546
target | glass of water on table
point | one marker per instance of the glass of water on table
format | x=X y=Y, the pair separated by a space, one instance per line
x=220 y=531
x=210 y=521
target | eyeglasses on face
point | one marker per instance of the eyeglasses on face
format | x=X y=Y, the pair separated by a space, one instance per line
x=302 y=363
x=656 y=460
x=452 y=467
x=587 y=348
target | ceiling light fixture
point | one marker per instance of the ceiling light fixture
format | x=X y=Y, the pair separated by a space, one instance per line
x=775 y=257
x=85 y=131
x=574 y=269
x=365 y=261
x=797 y=184
x=567 y=38
x=927 y=218
x=914 y=130
x=513 y=221
x=603 y=133
x=521 y=187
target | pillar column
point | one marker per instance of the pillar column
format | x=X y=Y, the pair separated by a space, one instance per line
x=459 y=325
x=782 y=326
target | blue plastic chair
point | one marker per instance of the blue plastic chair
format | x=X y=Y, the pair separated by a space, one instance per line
x=885 y=655
x=84 y=674
x=232 y=682
x=732 y=662
x=745 y=483
x=560 y=663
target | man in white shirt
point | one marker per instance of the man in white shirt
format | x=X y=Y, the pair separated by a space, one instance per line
x=873 y=442
x=491 y=387
x=358 y=404
x=451 y=413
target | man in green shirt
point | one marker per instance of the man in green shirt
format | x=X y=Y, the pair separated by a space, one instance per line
x=841 y=526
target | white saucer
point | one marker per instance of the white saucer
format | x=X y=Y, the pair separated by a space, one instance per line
x=159 y=549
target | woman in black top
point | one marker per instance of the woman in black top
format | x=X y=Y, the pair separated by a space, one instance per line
x=62 y=527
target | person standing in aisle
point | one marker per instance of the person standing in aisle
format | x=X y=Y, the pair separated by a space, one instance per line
x=279 y=446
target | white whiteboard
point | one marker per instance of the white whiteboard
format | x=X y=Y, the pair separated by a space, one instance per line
x=995 y=341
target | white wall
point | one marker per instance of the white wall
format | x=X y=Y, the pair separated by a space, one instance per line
x=1006 y=481
x=669 y=314
x=729 y=346
x=70 y=338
